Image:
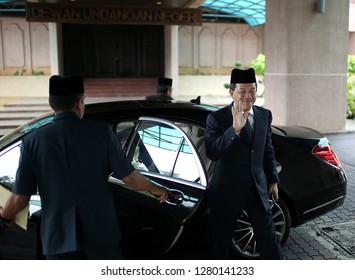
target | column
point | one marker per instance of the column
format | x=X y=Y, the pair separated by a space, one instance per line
x=56 y=48
x=306 y=63
x=171 y=44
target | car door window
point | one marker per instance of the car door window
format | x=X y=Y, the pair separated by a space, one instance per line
x=163 y=149
x=123 y=130
x=9 y=159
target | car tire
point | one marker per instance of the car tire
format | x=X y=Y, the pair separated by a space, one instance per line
x=243 y=242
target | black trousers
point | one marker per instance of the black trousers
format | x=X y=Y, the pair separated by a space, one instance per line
x=223 y=224
x=108 y=252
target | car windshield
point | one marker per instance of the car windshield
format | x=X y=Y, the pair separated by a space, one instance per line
x=25 y=129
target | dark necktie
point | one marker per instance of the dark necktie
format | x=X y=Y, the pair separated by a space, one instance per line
x=249 y=130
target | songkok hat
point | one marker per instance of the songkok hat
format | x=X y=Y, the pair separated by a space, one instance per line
x=66 y=85
x=165 y=82
x=239 y=76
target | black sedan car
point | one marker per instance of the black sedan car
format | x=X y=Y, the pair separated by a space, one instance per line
x=165 y=142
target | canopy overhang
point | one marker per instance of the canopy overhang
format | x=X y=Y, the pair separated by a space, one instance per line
x=251 y=11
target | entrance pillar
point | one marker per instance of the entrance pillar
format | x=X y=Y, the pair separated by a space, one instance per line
x=306 y=63
x=171 y=45
x=56 y=48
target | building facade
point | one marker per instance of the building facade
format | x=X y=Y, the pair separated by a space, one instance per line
x=208 y=50
x=198 y=58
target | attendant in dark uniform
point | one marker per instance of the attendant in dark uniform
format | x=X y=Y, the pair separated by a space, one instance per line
x=238 y=138
x=69 y=161
x=164 y=90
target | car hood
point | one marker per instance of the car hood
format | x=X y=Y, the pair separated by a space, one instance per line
x=298 y=132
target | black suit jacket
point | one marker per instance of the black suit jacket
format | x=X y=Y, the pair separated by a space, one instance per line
x=239 y=163
x=69 y=161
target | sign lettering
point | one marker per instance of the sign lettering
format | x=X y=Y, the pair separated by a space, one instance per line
x=38 y=12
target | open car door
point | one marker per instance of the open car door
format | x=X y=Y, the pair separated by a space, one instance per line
x=165 y=153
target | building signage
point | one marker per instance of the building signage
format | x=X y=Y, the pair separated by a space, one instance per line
x=38 y=12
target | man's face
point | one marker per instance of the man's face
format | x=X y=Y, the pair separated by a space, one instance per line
x=245 y=93
x=81 y=106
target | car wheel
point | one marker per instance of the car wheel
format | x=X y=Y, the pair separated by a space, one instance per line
x=243 y=241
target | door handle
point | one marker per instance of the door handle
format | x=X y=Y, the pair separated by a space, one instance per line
x=176 y=197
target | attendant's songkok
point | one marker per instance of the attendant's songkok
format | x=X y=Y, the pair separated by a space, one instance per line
x=239 y=76
x=66 y=85
x=165 y=82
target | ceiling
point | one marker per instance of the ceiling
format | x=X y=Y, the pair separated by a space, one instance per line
x=249 y=11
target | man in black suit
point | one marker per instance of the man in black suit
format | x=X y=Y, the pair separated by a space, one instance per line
x=69 y=161
x=164 y=90
x=238 y=138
